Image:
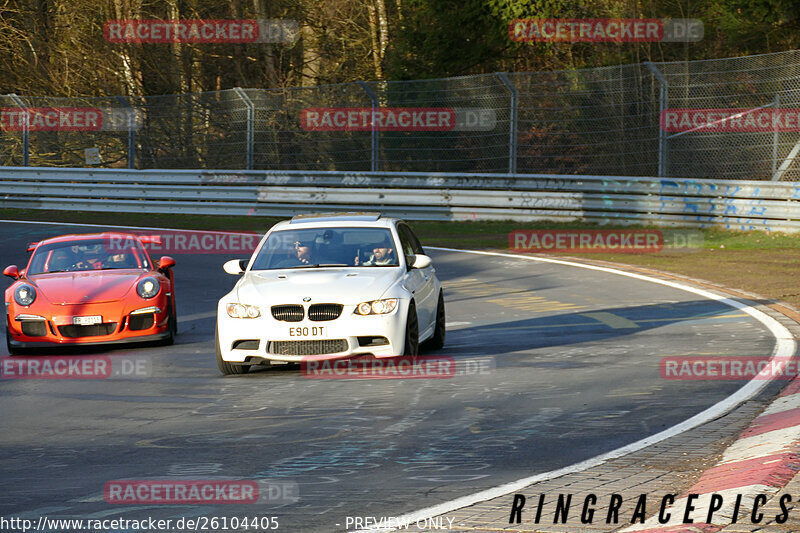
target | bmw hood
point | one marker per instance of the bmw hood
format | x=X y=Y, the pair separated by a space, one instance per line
x=345 y=286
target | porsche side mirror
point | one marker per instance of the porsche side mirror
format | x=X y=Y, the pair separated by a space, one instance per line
x=11 y=271
x=421 y=261
x=165 y=262
x=235 y=266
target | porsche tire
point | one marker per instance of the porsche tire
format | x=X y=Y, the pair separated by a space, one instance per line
x=11 y=349
x=411 y=344
x=224 y=366
x=172 y=328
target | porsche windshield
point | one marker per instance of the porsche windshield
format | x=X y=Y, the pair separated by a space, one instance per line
x=318 y=247
x=99 y=254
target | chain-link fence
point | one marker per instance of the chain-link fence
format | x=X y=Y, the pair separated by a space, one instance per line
x=601 y=121
x=770 y=81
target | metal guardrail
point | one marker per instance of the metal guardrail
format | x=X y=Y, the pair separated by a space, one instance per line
x=742 y=205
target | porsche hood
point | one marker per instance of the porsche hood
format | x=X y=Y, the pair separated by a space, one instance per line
x=86 y=286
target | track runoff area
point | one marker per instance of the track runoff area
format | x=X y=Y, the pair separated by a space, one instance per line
x=559 y=366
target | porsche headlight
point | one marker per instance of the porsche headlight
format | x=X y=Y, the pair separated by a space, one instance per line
x=148 y=287
x=377 y=307
x=25 y=294
x=243 y=311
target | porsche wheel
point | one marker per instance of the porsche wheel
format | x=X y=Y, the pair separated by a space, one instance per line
x=224 y=366
x=437 y=341
x=411 y=346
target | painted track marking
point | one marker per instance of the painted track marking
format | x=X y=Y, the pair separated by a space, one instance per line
x=611 y=320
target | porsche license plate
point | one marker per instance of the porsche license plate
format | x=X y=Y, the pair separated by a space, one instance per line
x=87 y=320
x=307 y=331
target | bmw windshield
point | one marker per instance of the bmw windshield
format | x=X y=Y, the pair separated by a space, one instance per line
x=319 y=247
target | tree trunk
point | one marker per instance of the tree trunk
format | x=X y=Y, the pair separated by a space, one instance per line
x=271 y=77
x=383 y=26
x=373 y=34
x=239 y=53
x=181 y=79
x=311 y=57
x=131 y=74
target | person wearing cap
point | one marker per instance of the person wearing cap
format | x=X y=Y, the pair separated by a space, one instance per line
x=302 y=250
x=382 y=254
x=297 y=255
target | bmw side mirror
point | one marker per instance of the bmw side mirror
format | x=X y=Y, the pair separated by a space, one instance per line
x=235 y=266
x=421 y=261
x=11 y=271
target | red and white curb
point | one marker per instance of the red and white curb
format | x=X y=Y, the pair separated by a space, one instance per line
x=758 y=464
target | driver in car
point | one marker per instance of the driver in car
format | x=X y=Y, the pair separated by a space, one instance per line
x=298 y=255
x=91 y=258
x=382 y=254
x=302 y=252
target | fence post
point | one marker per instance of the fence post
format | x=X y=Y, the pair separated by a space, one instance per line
x=512 y=122
x=25 y=130
x=777 y=105
x=131 y=132
x=663 y=154
x=374 y=145
x=251 y=118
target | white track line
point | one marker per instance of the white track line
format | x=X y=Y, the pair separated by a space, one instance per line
x=784 y=347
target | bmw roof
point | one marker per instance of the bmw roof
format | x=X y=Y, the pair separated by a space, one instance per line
x=336 y=217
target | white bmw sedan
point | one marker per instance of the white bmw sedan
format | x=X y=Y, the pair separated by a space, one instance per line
x=330 y=286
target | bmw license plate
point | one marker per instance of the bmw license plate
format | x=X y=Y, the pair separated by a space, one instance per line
x=87 y=320
x=307 y=331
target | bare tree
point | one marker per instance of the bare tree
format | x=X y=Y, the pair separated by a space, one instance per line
x=129 y=70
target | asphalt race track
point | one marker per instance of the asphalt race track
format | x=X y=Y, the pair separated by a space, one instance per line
x=557 y=364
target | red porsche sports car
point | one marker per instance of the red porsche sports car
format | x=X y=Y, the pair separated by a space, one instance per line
x=99 y=288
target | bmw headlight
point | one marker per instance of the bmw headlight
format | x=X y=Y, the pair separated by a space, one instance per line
x=25 y=294
x=243 y=311
x=377 y=307
x=148 y=287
